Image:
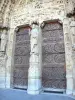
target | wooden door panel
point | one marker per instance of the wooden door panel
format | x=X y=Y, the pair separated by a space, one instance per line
x=52 y=33
x=21 y=38
x=53 y=57
x=53 y=48
x=52 y=26
x=22 y=50
x=21 y=58
x=20 y=73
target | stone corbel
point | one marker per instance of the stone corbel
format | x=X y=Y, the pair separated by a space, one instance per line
x=32 y=23
x=16 y=29
x=70 y=8
x=73 y=47
x=71 y=14
x=42 y=24
x=35 y=22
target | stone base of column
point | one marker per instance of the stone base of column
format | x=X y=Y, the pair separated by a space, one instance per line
x=69 y=92
x=34 y=86
x=74 y=92
x=32 y=92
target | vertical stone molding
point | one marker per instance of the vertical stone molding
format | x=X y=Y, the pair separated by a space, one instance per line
x=3 y=40
x=34 y=72
x=72 y=29
x=68 y=56
x=9 y=62
x=3 y=46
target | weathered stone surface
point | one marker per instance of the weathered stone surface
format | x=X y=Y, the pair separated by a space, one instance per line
x=19 y=13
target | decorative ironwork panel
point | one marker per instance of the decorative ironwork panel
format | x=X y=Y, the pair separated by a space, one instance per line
x=52 y=26
x=21 y=38
x=53 y=33
x=20 y=73
x=22 y=50
x=53 y=57
x=21 y=58
x=20 y=82
x=53 y=48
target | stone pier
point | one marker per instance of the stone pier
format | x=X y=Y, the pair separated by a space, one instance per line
x=35 y=72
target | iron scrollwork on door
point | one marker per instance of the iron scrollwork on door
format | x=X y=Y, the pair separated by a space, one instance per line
x=21 y=58
x=53 y=56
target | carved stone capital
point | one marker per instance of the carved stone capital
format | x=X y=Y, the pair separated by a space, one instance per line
x=16 y=29
x=73 y=47
x=42 y=24
x=4 y=28
x=34 y=22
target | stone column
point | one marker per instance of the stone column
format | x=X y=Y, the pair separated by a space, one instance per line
x=34 y=72
x=72 y=29
x=68 y=56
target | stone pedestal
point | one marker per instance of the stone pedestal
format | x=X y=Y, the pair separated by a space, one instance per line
x=34 y=72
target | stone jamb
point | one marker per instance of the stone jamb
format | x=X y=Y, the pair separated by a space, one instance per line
x=68 y=56
x=72 y=31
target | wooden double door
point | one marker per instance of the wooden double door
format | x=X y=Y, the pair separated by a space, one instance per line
x=53 y=57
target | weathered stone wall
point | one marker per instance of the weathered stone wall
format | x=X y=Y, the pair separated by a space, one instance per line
x=3 y=10
x=37 y=11
x=4 y=23
x=25 y=12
